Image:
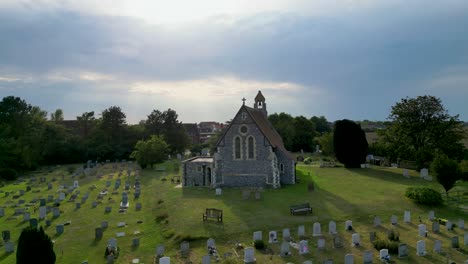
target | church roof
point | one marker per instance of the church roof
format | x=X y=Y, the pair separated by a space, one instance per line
x=260 y=97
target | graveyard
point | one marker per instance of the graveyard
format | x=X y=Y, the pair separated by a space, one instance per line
x=142 y=213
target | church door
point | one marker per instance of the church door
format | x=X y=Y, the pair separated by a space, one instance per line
x=209 y=176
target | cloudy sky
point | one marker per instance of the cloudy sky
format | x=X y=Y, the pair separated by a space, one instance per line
x=341 y=59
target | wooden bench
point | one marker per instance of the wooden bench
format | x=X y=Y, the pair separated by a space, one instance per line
x=300 y=208
x=213 y=213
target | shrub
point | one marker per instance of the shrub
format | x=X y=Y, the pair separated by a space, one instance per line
x=308 y=160
x=8 y=174
x=392 y=246
x=393 y=235
x=424 y=195
x=70 y=169
x=349 y=143
x=161 y=217
x=259 y=244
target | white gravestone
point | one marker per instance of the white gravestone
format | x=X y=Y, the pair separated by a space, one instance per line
x=76 y=184
x=210 y=243
x=257 y=235
x=424 y=173
x=284 y=251
x=465 y=239
x=206 y=259
x=422 y=230
x=219 y=191
x=394 y=220
x=303 y=247
x=272 y=237
x=249 y=255
x=461 y=223
x=321 y=243
x=377 y=221
x=165 y=260
x=383 y=254
x=431 y=215
x=407 y=217
x=437 y=246
x=421 y=248
x=349 y=225
x=405 y=173
x=317 y=229
x=356 y=240
x=286 y=234
x=332 y=228
x=349 y=259
x=301 y=231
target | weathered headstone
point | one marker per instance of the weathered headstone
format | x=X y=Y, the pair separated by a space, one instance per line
x=461 y=223
x=272 y=237
x=317 y=231
x=332 y=227
x=6 y=235
x=422 y=230
x=56 y=211
x=42 y=202
x=328 y=261
x=42 y=212
x=372 y=236
x=449 y=225
x=437 y=246
x=367 y=257
x=104 y=224
x=349 y=225
x=465 y=239
x=421 y=248
x=26 y=216
x=59 y=229
x=355 y=240
x=383 y=254
x=249 y=255
x=185 y=249
x=77 y=205
x=407 y=217
x=455 y=242
x=98 y=233
x=206 y=259
x=424 y=173
x=219 y=191
x=135 y=242
x=405 y=173
x=108 y=209
x=62 y=196
x=50 y=198
x=33 y=222
x=284 y=250
x=257 y=235
x=9 y=247
x=304 y=247
x=321 y=243
x=48 y=222
x=138 y=206
x=431 y=215
x=286 y=234
x=337 y=242
x=435 y=227
x=165 y=260
x=94 y=204
x=2 y=212
x=394 y=220
x=301 y=231
x=76 y=184
x=160 y=251
x=349 y=259
x=402 y=250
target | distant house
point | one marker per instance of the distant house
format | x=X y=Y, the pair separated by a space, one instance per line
x=250 y=152
x=192 y=131
x=208 y=130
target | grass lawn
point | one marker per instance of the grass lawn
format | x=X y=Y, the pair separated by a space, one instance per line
x=172 y=214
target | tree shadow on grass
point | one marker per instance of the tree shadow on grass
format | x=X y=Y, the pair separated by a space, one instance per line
x=5 y=255
x=391 y=176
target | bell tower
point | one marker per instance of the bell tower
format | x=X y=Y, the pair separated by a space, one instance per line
x=260 y=103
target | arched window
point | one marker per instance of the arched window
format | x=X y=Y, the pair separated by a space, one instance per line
x=250 y=147
x=237 y=148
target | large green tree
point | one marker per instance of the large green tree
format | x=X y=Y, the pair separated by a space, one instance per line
x=420 y=126
x=321 y=124
x=326 y=143
x=34 y=246
x=447 y=171
x=304 y=134
x=349 y=143
x=284 y=124
x=56 y=116
x=150 y=152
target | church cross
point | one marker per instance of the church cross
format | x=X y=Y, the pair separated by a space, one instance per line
x=243 y=101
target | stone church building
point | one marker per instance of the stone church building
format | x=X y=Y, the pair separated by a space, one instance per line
x=249 y=153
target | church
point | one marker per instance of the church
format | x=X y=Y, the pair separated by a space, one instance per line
x=249 y=153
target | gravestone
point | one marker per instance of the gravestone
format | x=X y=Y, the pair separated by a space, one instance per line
x=42 y=212
x=272 y=237
x=112 y=242
x=465 y=239
x=349 y=259
x=424 y=173
x=33 y=222
x=321 y=243
x=356 y=240
x=210 y=243
x=383 y=254
x=59 y=229
x=42 y=202
x=121 y=224
x=135 y=242
x=449 y=226
x=257 y=235
x=9 y=247
x=108 y=209
x=56 y=211
x=160 y=251
x=402 y=250
x=304 y=247
x=337 y=242
x=138 y=206
x=218 y=191
x=165 y=260
x=49 y=186
x=317 y=229
x=405 y=173
x=435 y=227
x=372 y=236
x=394 y=220
x=454 y=242
x=407 y=217
x=78 y=205
x=349 y=225
x=206 y=259
x=110 y=259
x=185 y=249
x=284 y=250
x=108 y=184
x=97 y=233
x=301 y=231
x=286 y=234
x=94 y=204
x=83 y=199
x=6 y=235
x=104 y=224
x=421 y=248
x=249 y=255
x=328 y=261
x=431 y=215
x=2 y=212
x=367 y=257
x=76 y=184
x=26 y=216
x=461 y=223
x=422 y=230
x=50 y=198
x=438 y=246
x=61 y=196
x=332 y=227
x=48 y=222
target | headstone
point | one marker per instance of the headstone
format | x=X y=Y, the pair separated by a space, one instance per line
x=383 y=254
x=9 y=247
x=165 y=260
x=304 y=247
x=403 y=251
x=332 y=227
x=112 y=242
x=328 y=261
x=437 y=246
x=206 y=259
x=75 y=184
x=257 y=235
x=272 y=237
x=110 y=259
x=108 y=184
x=422 y=230
x=284 y=250
x=50 y=198
x=185 y=248
x=98 y=233
x=2 y=212
x=337 y=242
x=356 y=240
x=286 y=234
x=59 y=229
x=138 y=206
x=407 y=217
x=431 y=215
x=6 y=235
x=49 y=186
x=135 y=242
x=42 y=212
x=435 y=227
x=56 y=211
x=249 y=255
x=26 y=216
x=83 y=199
x=42 y=202
x=160 y=251
x=62 y=196
x=121 y=224
x=367 y=257
x=48 y=222
x=454 y=242
x=424 y=173
x=349 y=259
x=461 y=223
x=301 y=231
x=94 y=204
x=449 y=226
x=317 y=229
x=108 y=209
x=405 y=173
x=77 y=205
x=210 y=243
x=349 y=225
x=465 y=239
x=33 y=222
x=219 y=191
x=421 y=248
x=104 y=224
x=321 y=243
x=372 y=236
x=394 y=220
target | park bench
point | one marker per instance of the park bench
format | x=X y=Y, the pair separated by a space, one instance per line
x=213 y=213
x=300 y=208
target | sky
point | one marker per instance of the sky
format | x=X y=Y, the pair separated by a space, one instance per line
x=338 y=59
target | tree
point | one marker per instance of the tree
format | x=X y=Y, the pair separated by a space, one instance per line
x=283 y=123
x=349 y=143
x=151 y=151
x=326 y=143
x=321 y=124
x=304 y=132
x=114 y=126
x=56 y=116
x=85 y=121
x=34 y=246
x=447 y=171
x=420 y=126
